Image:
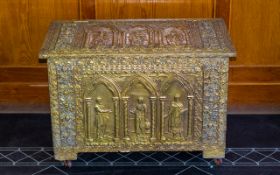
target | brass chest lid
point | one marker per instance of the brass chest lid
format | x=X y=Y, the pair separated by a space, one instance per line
x=191 y=37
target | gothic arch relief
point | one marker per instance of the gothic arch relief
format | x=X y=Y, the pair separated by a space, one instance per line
x=145 y=81
x=101 y=105
x=139 y=106
x=176 y=109
x=110 y=84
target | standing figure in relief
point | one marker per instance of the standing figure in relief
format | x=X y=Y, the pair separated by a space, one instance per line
x=102 y=116
x=175 y=125
x=140 y=116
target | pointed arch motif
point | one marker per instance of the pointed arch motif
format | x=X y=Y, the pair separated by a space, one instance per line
x=150 y=88
x=145 y=81
x=89 y=103
x=109 y=84
x=185 y=84
x=177 y=86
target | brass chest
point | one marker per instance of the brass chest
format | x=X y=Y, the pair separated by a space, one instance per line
x=138 y=85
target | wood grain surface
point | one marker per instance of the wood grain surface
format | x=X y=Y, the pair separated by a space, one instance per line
x=222 y=10
x=254 y=98
x=255 y=74
x=24 y=24
x=24 y=97
x=255 y=31
x=253 y=24
x=112 y=9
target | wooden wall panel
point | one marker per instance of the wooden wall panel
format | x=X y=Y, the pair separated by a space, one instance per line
x=24 y=97
x=255 y=73
x=254 y=98
x=24 y=24
x=87 y=9
x=24 y=74
x=112 y=9
x=222 y=10
x=254 y=28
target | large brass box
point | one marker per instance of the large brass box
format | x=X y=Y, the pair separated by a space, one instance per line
x=138 y=85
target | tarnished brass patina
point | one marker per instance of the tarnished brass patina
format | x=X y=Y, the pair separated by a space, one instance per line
x=141 y=85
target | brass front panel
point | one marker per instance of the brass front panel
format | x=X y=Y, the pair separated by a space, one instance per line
x=126 y=109
x=139 y=108
x=138 y=103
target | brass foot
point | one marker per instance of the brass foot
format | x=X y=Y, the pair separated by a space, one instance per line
x=65 y=154
x=218 y=162
x=214 y=153
x=67 y=163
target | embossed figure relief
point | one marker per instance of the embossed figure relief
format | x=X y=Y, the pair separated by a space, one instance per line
x=174 y=36
x=177 y=114
x=134 y=36
x=141 y=124
x=138 y=108
x=101 y=111
x=98 y=36
x=137 y=36
x=141 y=108
x=175 y=118
x=102 y=118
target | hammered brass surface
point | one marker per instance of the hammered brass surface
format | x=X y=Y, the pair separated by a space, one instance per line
x=131 y=101
x=138 y=86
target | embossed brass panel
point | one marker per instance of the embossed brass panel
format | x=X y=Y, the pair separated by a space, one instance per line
x=125 y=106
x=156 y=85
